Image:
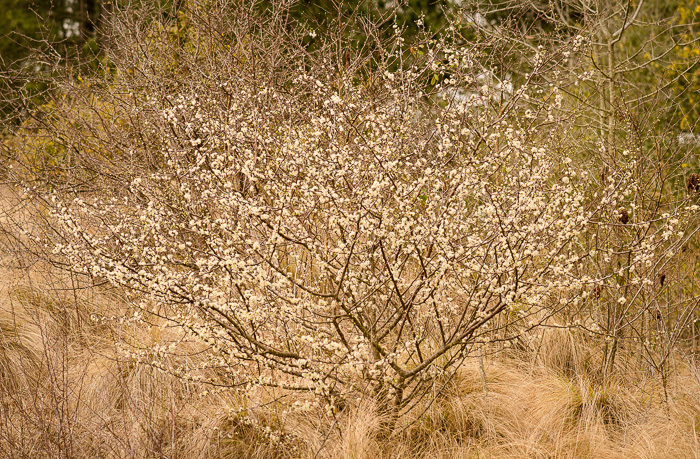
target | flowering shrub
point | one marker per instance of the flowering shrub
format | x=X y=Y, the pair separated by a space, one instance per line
x=332 y=230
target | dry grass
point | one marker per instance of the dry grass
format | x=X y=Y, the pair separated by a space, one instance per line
x=66 y=391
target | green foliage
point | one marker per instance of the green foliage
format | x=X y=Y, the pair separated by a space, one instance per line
x=683 y=69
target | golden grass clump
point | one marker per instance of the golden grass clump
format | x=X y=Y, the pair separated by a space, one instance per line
x=68 y=389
